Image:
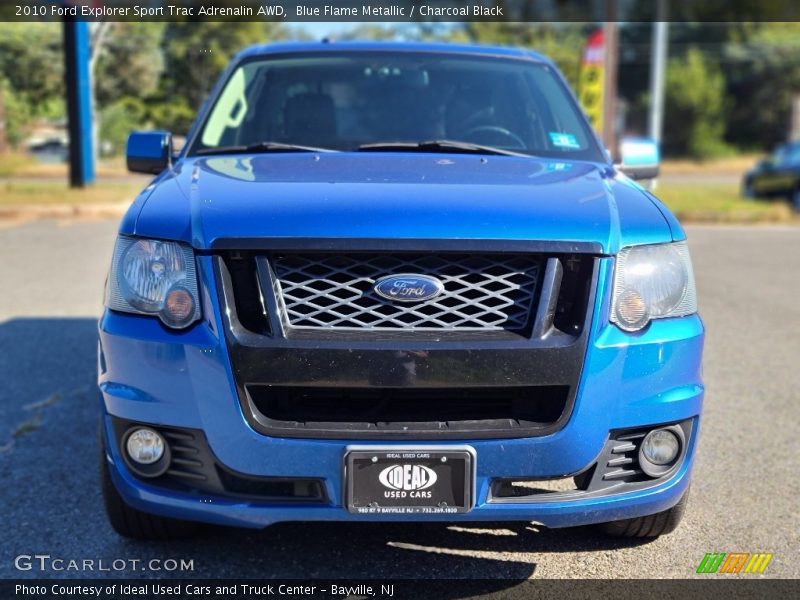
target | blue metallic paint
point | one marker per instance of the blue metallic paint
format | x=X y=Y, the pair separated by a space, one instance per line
x=153 y=374
x=388 y=195
x=148 y=151
x=156 y=375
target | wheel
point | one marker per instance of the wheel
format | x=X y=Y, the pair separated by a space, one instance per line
x=130 y=522
x=748 y=193
x=795 y=199
x=649 y=526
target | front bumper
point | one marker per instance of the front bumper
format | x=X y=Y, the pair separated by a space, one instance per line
x=149 y=374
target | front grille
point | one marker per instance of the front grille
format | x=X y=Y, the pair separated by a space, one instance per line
x=481 y=292
x=316 y=353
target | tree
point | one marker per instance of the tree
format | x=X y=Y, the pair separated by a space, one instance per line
x=562 y=42
x=31 y=75
x=129 y=62
x=31 y=60
x=763 y=73
x=195 y=56
x=695 y=107
x=118 y=119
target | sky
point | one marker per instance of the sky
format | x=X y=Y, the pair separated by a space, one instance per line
x=324 y=28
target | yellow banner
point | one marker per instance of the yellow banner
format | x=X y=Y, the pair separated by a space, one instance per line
x=591 y=81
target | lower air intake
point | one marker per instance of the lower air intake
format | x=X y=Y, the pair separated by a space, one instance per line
x=420 y=412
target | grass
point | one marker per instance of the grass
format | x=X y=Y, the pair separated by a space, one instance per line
x=12 y=163
x=16 y=193
x=731 y=165
x=19 y=164
x=721 y=203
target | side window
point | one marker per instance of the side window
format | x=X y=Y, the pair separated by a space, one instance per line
x=231 y=108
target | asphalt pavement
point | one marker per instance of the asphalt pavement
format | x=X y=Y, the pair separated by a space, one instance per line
x=744 y=493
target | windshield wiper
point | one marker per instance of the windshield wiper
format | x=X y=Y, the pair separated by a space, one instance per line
x=434 y=145
x=262 y=147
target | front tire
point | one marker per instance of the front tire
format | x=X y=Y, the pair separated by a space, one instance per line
x=747 y=191
x=795 y=200
x=649 y=526
x=130 y=522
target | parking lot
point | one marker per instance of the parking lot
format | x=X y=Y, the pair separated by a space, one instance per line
x=744 y=493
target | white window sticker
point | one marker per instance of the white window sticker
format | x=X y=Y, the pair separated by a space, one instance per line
x=564 y=140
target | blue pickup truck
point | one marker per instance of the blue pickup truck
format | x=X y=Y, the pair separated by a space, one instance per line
x=395 y=282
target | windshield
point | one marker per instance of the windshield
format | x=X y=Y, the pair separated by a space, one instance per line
x=788 y=154
x=349 y=101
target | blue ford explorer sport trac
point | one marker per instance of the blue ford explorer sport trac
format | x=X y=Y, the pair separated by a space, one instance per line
x=395 y=282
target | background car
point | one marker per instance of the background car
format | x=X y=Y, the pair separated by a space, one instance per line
x=777 y=176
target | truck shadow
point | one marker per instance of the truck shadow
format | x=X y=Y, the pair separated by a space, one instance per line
x=47 y=401
x=42 y=363
x=506 y=550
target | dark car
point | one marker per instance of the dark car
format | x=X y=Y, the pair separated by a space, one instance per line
x=776 y=177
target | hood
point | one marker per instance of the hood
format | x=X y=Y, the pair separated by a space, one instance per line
x=214 y=201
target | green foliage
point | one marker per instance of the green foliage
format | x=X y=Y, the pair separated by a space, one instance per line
x=118 y=119
x=18 y=114
x=31 y=62
x=763 y=73
x=146 y=74
x=196 y=55
x=31 y=75
x=130 y=62
x=695 y=107
x=173 y=114
x=562 y=42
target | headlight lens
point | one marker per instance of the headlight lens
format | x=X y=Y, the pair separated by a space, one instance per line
x=652 y=282
x=153 y=277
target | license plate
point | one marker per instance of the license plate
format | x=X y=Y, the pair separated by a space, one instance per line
x=409 y=481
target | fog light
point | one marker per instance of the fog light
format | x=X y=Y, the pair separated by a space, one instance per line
x=661 y=447
x=145 y=446
x=661 y=450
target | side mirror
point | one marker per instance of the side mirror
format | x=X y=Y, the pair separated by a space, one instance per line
x=149 y=151
x=640 y=158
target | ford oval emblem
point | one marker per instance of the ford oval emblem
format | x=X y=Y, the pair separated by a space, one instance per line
x=408 y=287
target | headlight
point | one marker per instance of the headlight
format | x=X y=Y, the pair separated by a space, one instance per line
x=652 y=282
x=152 y=277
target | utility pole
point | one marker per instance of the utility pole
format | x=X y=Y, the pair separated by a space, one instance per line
x=657 y=71
x=77 y=77
x=611 y=58
x=658 y=66
x=3 y=132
